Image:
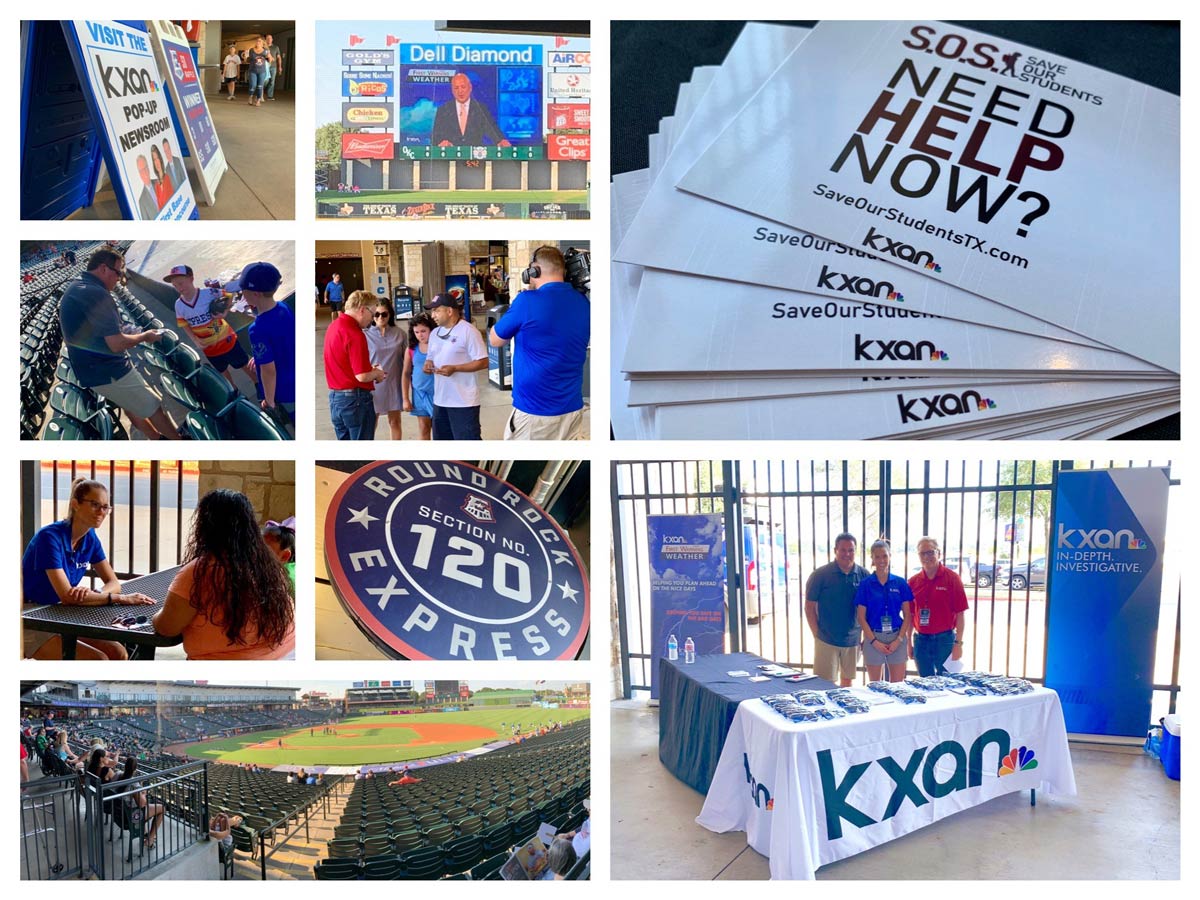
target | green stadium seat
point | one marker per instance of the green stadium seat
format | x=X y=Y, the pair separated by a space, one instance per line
x=424 y=864
x=462 y=853
x=497 y=838
x=438 y=834
x=326 y=871
x=407 y=840
x=488 y=866
x=381 y=869
x=343 y=848
x=470 y=825
x=374 y=846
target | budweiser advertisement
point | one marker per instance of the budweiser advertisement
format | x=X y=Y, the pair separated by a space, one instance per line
x=367 y=146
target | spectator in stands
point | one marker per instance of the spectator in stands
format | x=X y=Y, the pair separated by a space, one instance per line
x=581 y=839
x=272 y=338
x=62 y=749
x=153 y=811
x=97 y=346
x=561 y=857
x=220 y=828
x=53 y=567
x=232 y=599
x=201 y=313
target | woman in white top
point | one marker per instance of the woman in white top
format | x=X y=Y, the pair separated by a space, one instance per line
x=230 y=68
x=456 y=353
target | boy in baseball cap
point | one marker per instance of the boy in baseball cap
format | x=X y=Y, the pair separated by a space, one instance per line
x=272 y=337
x=201 y=312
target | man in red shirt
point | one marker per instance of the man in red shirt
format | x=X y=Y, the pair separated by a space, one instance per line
x=348 y=371
x=939 y=602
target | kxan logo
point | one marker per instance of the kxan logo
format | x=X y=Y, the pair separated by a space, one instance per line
x=762 y=796
x=941 y=405
x=874 y=350
x=855 y=284
x=881 y=243
x=1098 y=539
x=964 y=767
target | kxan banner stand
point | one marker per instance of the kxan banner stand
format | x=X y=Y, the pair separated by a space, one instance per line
x=174 y=54
x=687 y=584
x=1104 y=586
x=124 y=93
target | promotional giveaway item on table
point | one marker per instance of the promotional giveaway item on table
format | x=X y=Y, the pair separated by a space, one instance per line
x=809 y=790
x=832 y=325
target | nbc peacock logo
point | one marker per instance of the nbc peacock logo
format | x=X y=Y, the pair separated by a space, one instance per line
x=939 y=355
x=1019 y=760
x=895 y=295
x=986 y=403
x=932 y=266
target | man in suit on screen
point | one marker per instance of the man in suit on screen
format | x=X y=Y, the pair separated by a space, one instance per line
x=463 y=123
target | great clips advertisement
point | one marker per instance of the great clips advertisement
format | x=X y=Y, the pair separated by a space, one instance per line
x=687 y=588
x=1105 y=579
x=1033 y=180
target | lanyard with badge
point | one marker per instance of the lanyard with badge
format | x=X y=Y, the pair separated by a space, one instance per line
x=885 y=620
x=924 y=612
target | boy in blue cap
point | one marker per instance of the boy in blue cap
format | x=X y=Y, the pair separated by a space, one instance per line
x=272 y=337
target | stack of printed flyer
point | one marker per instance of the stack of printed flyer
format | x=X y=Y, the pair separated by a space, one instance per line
x=899 y=230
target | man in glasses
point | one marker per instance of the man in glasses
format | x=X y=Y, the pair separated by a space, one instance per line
x=939 y=604
x=349 y=373
x=97 y=348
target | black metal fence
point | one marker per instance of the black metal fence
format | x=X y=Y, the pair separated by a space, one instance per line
x=991 y=519
x=75 y=826
x=152 y=504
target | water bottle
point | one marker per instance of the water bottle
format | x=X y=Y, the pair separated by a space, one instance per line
x=689 y=651
x=672 y=648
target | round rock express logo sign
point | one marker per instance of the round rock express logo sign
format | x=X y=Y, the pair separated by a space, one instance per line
x=441 y=560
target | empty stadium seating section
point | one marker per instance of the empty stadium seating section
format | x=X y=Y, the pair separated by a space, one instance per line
x=462 y=819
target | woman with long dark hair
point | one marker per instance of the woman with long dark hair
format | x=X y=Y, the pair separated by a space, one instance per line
x=164 y=190
x=153 y=811
x=53 y=567
x=232 y=599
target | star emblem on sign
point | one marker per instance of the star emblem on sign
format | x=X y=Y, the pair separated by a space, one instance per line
x=568 y=592
x=362 y=516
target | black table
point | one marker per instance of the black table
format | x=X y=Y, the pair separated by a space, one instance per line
x=697 y=703
x=74 y=622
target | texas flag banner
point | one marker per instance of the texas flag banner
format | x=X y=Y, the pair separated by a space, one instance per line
x=1044 y=184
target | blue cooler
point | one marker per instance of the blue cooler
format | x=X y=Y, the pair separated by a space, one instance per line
x=1170 y=746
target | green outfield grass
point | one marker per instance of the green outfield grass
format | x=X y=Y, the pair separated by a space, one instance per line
x=398 y=734
x=456 y=196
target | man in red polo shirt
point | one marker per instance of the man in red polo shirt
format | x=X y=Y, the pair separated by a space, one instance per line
x=348 y=370
x=939 y=602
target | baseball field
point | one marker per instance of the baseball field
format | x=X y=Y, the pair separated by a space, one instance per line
x=380 y=738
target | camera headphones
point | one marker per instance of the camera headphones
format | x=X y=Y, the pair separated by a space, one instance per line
x=533 y=270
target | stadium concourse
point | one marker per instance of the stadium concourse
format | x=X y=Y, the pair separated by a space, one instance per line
x=56 y=406
x=457 y=815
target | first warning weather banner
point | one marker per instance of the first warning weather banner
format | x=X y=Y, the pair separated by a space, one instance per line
x=1104 y=568
x=687 y=584
x=1031 y=179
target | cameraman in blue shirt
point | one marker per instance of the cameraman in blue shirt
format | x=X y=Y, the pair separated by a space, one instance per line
x=551 y=325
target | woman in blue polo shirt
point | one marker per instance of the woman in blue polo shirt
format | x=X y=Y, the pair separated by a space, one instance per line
x=884 y=604
x=54 y=565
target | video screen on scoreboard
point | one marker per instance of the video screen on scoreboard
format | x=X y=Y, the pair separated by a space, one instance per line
x=511 y=97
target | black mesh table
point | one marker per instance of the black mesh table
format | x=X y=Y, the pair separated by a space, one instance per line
x=74 y=622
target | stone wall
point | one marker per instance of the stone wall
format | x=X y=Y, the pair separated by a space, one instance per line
x=270 y=484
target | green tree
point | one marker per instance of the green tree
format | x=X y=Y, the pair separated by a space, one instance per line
x=329 y=141
x=1008 y=504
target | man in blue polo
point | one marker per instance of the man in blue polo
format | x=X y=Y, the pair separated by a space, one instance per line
x=551 y=325
x=334 y=295
x=832 y=613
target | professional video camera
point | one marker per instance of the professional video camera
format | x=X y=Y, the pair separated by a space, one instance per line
x=579 y=270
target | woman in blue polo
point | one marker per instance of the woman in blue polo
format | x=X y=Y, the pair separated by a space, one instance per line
x=884 y=604
x=54 y=565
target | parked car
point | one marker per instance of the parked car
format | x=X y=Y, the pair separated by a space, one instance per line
x=987 y=574
x=1030 y=574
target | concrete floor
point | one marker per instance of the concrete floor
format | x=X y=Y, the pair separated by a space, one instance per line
x=1124 y=823
x=495 y=405
x=260 y=150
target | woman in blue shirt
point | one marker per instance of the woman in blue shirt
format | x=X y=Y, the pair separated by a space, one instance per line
x=54 y=565
x=884 y=604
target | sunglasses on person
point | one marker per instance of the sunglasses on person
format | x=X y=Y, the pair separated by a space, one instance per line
x=129 y=621
x=380 y=315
